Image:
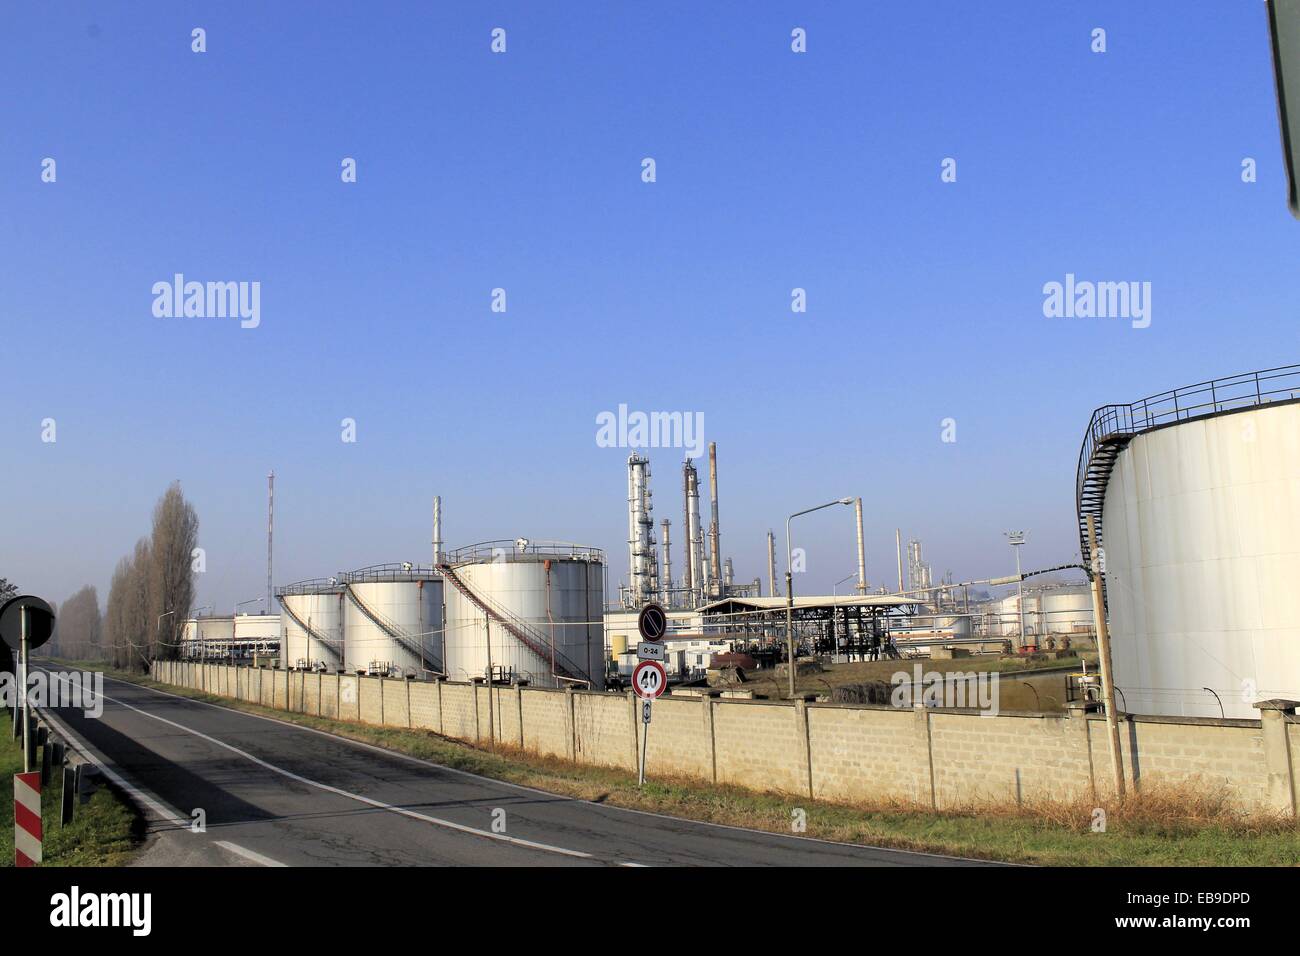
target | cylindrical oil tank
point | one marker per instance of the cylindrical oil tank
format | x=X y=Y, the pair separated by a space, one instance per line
x=392 y=620
x=317 y=605
x=1201 y=539
x=551 y=594
x=1066 y=609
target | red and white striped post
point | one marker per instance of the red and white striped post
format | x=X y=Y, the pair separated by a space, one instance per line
x=27 y=818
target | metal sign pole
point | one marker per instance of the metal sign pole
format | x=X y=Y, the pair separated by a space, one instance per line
x=22 y=693
x=645 y=733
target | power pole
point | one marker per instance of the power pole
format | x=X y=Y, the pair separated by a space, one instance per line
x=1103 y=651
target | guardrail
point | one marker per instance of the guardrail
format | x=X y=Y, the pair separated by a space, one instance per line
x=507 y=548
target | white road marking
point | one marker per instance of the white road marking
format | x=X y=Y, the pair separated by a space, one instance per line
x=378 y=804
x=397 y=754
x=248 y=854
x=145 y=797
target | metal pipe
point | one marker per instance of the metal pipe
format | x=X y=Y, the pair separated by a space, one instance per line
x=715 y=545
x=771 y=564
x=270 y=526
x=898 y=545
x=688 y=545
x=862 y=552
x=437 y=530
x=666 y=579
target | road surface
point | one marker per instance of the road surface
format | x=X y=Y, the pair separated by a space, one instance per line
x=273 y=793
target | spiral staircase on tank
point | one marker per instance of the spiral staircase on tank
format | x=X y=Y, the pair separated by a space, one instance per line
x=410 y=643
x=330 y=645
x=520 y=630
x=1112 y=427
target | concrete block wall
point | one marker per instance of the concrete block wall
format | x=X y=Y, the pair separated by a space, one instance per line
x=840 y=752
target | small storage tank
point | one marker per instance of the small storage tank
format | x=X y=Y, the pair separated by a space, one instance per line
x=312 y=623
x=540 y=603
x=392 y=620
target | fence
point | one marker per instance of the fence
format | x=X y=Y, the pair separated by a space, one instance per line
x=841 y=752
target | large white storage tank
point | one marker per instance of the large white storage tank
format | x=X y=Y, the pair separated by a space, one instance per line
x=312 y=623
x=392 y=620
x=545 y=603
x=1201 y=544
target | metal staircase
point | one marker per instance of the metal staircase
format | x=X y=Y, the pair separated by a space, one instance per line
x=409 y=642
x=329 y=644
x=523 y=632
x=1113 y=426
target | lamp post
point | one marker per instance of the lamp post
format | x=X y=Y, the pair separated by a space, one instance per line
x=789 y=584
x=158 y=624
x=234 y=623
x=835 y=607
x=1016 y=539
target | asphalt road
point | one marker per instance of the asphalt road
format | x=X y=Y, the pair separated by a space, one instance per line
x=275 y=793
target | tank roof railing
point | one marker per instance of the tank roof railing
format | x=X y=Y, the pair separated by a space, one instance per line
x=401 y=571
x=1114 y=425
x=310 y=586
x=506 y=548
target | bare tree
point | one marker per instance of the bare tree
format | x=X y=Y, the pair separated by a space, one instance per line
x=78 y=627
x=171 y=584
x=115 y=623
x=7 y=590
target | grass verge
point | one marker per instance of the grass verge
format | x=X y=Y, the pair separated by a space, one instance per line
x=105 y=831
x=1169 y=827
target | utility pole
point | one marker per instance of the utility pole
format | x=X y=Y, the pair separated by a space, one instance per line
x=1103 y=651
x=1016 y=539
x=492 y=730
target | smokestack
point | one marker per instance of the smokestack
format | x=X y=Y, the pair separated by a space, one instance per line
x=437 y=529
x=771 y=564
x=898 y=543
x=862 y=553
x=270 y=528
x=695 y=558
x=666 y=579
x=728 y=572
x=715 y=546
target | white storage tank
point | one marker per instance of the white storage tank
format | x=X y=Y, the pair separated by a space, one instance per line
x=392 y=620
x=1201 y=542
x=540 y=603
x=312 y=623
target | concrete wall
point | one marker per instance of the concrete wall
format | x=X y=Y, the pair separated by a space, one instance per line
x=942 y=758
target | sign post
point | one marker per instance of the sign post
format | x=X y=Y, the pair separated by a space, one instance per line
x=26 y=622
x=27 y=819
x=649 y=680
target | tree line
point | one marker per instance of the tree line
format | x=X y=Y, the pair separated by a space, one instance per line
x=149 y=598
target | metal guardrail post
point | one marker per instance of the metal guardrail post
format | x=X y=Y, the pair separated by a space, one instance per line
x=68 y=801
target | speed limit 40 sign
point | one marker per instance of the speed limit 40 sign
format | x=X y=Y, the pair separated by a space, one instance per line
x=649 y=680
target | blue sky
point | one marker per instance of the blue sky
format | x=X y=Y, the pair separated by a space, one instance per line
x=522 y=170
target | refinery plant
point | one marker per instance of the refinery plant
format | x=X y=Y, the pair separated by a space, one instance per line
x=1194 y=490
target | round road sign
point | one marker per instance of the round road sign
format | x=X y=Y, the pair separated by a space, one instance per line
x=40 y=621
x=649 y=679
x=652 y=622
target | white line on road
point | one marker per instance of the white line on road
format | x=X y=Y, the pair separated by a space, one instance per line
x=248 y=854
x=368 y=801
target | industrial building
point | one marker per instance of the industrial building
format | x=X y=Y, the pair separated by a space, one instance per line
x=1196 y=496
x=230 y=637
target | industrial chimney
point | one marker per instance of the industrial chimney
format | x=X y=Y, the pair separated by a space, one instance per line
x=715 y=545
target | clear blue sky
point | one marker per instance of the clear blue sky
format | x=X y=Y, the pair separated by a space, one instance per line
x=522 y=171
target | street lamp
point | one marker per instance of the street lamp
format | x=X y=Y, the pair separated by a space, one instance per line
x=1016 y=539
x=158 y=624
x=234 y=623
x=789 y=584
x=835 y=607
x=200 y=646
